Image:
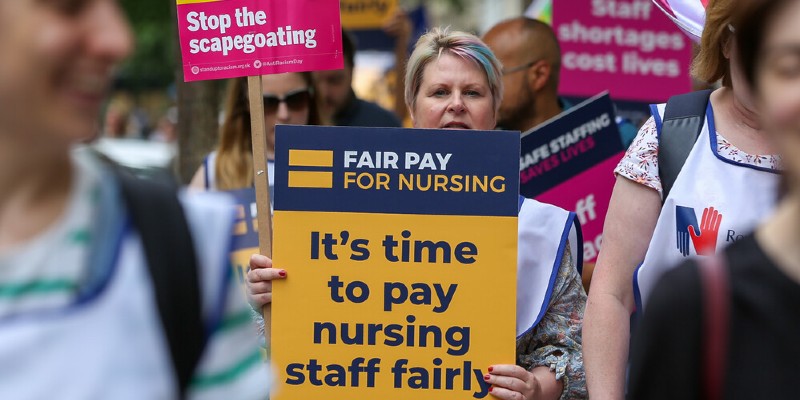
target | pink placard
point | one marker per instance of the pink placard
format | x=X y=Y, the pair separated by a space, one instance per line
x=588 y=195
x=627 y=47
x=232 y=38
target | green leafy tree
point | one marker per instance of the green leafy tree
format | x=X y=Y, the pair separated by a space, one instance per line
x=153 y=63
x=156 y=64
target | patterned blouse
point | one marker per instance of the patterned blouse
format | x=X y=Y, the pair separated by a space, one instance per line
x=640 y=163
x=556 y=340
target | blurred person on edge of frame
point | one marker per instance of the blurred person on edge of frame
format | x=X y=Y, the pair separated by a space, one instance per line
x=79 y=310
x=726 y=187
x=751 y=351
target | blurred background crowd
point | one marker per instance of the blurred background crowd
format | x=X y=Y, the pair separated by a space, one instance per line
x=141 y=120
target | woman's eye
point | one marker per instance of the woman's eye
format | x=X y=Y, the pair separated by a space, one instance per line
x=67 y=7
x=785 y=63
x=788 y=69
x=472 y=93
x=440 y=92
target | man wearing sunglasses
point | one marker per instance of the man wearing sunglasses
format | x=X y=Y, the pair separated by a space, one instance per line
x=531 y=58
x=338 y=101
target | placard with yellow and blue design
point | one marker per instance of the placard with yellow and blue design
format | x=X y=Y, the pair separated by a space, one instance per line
x=244 y=242
x=400 y=247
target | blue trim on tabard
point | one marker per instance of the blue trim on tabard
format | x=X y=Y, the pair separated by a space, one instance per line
x=111 y=226
x=111 y=221
x=207 y=181
x=637 y=294
x=521 y=200
x=712 y=135
x=105 y=273
x=657 y=119
x=553 y=275
x=579 y=239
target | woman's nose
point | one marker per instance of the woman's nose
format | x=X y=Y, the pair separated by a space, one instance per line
x=108 y=30
x=283 y=111
x=456 y=104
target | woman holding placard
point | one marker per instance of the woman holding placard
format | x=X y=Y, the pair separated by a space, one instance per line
x=453 y=81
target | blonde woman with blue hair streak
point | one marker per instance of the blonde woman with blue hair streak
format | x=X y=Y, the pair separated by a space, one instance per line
x=453 y=81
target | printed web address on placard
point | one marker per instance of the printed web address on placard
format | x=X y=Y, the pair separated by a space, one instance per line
x=216 y=68
x=255 y=64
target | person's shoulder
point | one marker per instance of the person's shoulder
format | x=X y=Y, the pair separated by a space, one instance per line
x=535 y=208
x=543 y=220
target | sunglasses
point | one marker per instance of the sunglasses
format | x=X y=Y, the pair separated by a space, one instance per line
x=295 y=100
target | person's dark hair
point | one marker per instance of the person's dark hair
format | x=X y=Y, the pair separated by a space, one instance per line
x=348 y=48
x=751 y=28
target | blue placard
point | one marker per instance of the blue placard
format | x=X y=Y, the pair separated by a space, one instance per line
x=245 y=234
x=572 y=142
x=395 y=170
x=373 y=39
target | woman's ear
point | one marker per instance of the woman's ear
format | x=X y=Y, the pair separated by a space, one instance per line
x=727 y=46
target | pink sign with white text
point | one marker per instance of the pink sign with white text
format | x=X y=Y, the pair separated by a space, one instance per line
x=569 y=162
x=628 y=47
x=232 y=38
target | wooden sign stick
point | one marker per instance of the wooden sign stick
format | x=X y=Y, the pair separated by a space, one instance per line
x=261 y=178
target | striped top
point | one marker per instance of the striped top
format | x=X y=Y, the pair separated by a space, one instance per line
x=111 y=345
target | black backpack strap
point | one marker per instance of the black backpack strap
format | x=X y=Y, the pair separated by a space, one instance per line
x=159 y=218
x=684 y=117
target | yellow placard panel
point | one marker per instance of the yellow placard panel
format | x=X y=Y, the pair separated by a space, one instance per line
x=310 y=179
x=392 y=306
x=310 y=158
x=366 y=14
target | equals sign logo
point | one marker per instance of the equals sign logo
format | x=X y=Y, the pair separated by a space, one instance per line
x=321 y=163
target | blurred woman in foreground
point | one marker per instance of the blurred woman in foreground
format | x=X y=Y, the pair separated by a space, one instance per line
x=752 y=289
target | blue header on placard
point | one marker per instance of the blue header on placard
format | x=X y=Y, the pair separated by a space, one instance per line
x=576 y=140
x=396 y=171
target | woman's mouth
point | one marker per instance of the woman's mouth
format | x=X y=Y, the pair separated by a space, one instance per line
x=455 y=125
x=86 y=89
